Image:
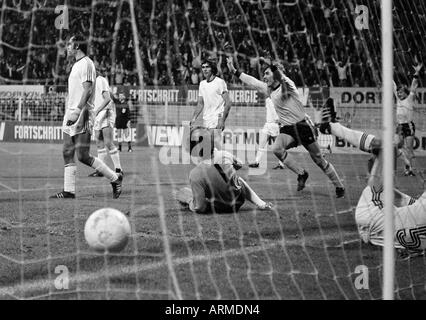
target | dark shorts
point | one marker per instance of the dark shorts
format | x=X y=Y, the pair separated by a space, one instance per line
x=406 y=129
x=121 y=124
x=302 y=132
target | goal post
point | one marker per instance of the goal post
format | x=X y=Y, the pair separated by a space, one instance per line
x=388 y=152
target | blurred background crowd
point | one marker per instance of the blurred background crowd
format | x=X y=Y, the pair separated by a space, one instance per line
x=317 y=40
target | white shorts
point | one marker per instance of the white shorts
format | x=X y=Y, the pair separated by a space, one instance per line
x=410 y=221
x=271 y=129
x=105 y=119
x=81 y=126
x=211 y=122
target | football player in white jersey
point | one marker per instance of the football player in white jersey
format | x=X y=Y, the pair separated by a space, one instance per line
x=213 y=101
x=295 y=129
x=78 y=121
x=405 y=100
x=104 y=125
x=270 y=129
x=409 y=212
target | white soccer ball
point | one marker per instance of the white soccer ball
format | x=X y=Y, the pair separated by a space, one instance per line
x=108 y=230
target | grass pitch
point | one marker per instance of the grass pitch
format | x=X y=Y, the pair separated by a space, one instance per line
x=307 y=249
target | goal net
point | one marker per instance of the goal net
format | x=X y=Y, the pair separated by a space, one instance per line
x=307 y=247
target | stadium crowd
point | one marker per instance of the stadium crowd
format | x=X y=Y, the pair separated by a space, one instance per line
x=316 y=40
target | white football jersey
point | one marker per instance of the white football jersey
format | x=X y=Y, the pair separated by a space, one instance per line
x=289 y=109
x=405 y=109
x=101 y=87
x=271 y=114
x=82 y=71
x=214 y=105
x=410 y=220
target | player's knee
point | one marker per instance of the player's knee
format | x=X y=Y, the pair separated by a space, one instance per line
x=277 y=148
x=278 y=152
x=68 y=154
x=85 y=157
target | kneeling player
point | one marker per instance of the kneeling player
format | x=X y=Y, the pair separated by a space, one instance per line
x=215 y=185
x=104 y=125
x=409 y=213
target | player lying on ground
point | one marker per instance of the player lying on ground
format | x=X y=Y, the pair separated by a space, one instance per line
x=295 y=130
x=104 y=125
x=215 y=185
x=213 y=101
x=409 y=213
x=271 y=129
x=78 y=121
x=406 y=129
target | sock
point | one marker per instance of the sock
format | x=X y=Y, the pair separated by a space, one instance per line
x=101 y=167
x=115 y=157
x=102 y=154
x=292 y=165
x=69 y=177
x=358 y=139
x=405 y=159
x=260 y=154
x=281 y=163
x=130 y=145
x=331 y=173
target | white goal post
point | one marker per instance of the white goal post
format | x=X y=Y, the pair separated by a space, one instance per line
x=388 y=152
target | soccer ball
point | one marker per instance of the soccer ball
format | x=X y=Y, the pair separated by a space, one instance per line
x=108 y=230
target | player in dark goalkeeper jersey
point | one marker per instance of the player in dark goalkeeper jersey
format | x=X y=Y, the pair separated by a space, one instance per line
x=215 y=186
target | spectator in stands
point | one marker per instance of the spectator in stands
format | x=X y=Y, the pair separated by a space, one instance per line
x=342 y=71
x=195 y=80
x=312 y=35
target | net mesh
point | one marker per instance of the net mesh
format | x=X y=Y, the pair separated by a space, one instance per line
x=307 y=248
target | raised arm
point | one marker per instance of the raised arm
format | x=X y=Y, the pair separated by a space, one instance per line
x=415 y=83
x=395 y=90
x=248 y=80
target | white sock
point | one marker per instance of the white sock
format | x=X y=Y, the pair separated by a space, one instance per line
x=260 y=154
x=102 y=154
x=101 y=167
x=252 y=196
x=281 y=163
x=331 y=173
x=69 y=177
x=115 y=157
x=358 y=139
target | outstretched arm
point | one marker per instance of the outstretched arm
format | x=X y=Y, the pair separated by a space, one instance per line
x=395 y=90
x=248 y=80
x=415 y=83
